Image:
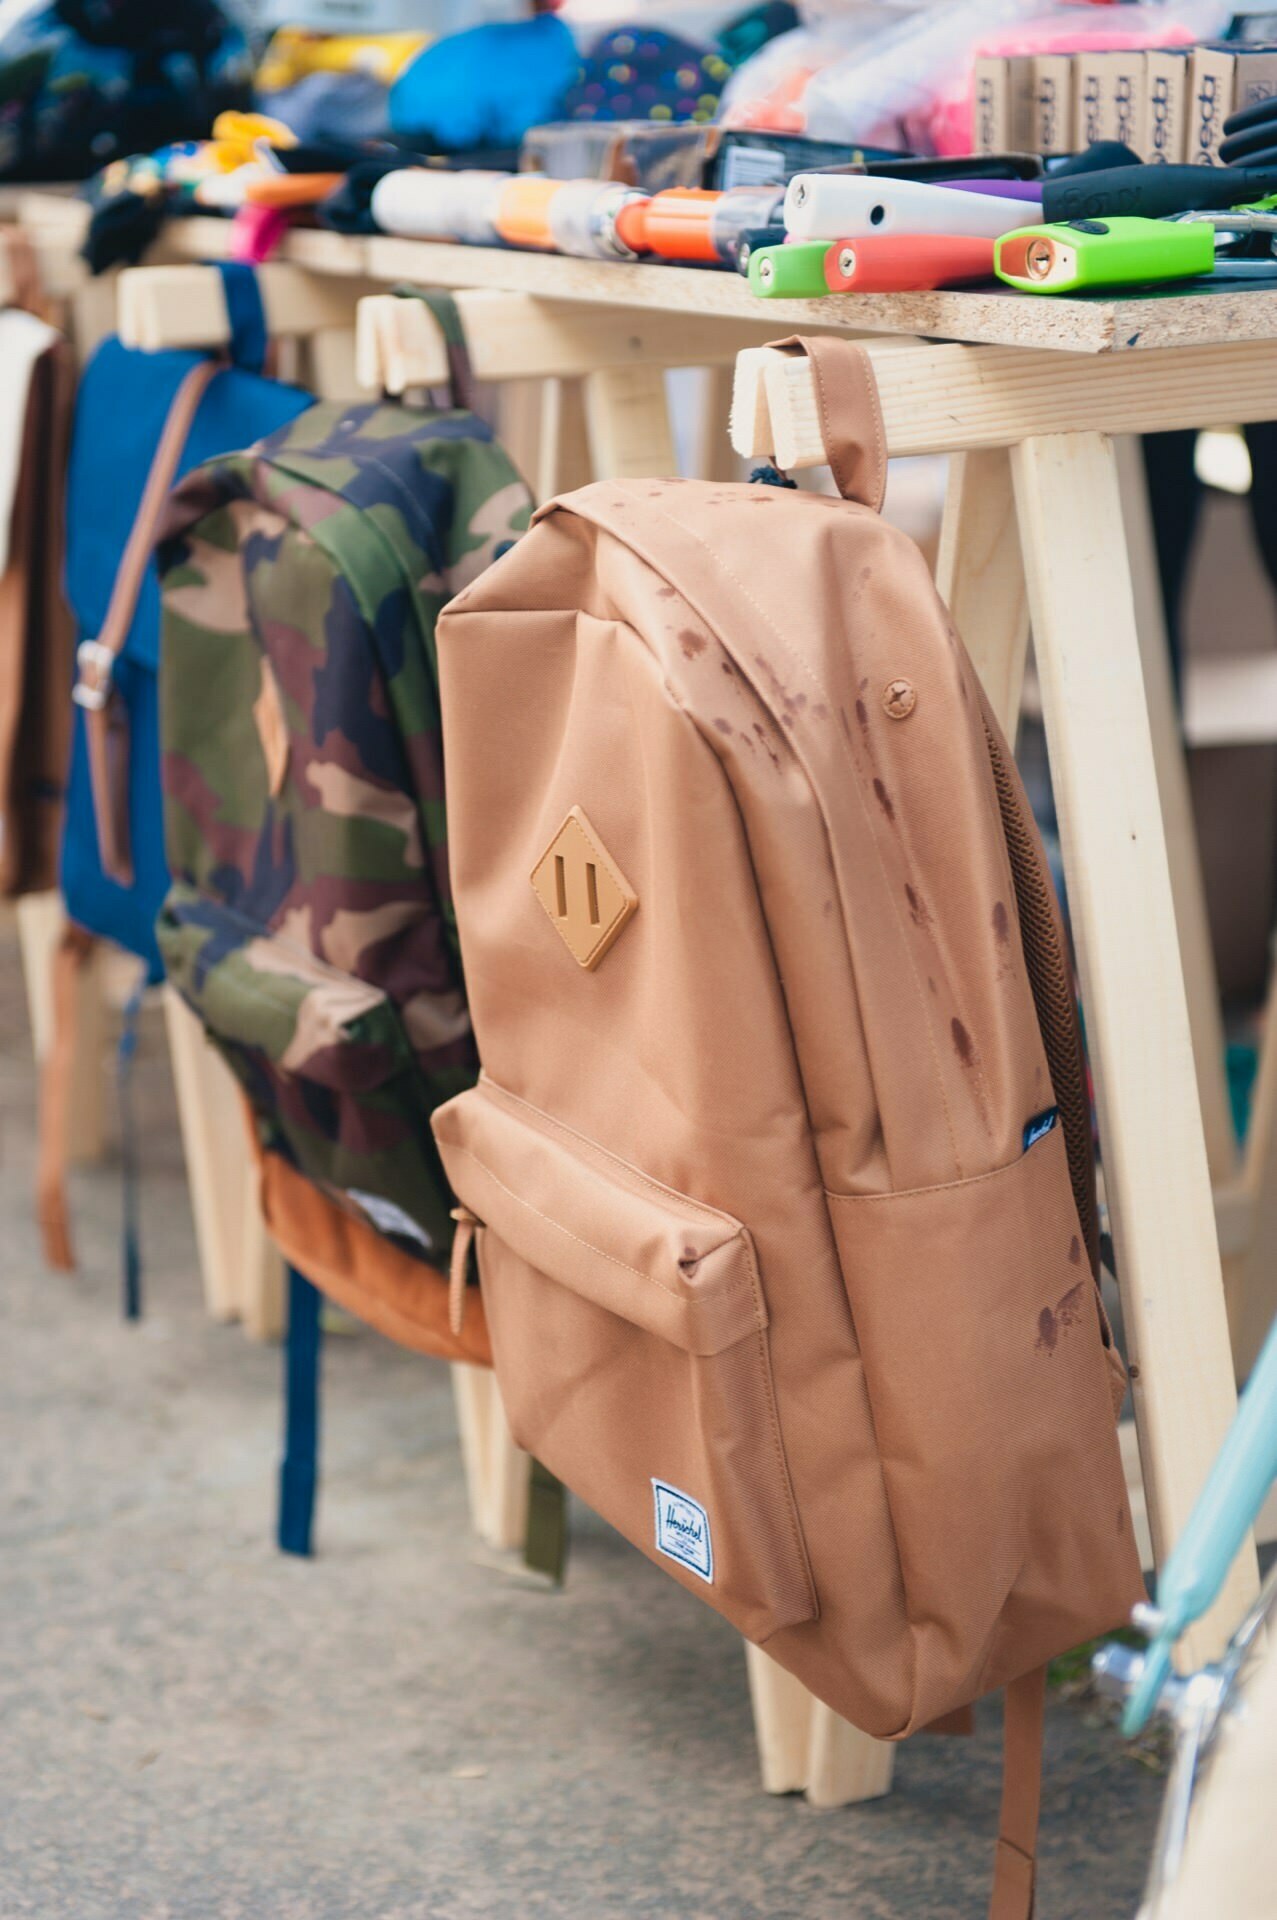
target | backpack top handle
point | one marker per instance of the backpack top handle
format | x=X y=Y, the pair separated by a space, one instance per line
x=849 y=414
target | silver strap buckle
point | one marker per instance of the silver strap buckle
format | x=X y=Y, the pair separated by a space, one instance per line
x=94 y=665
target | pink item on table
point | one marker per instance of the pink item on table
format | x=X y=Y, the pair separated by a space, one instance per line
x=256 y=232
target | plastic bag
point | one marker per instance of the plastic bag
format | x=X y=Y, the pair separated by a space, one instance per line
x=899 y=73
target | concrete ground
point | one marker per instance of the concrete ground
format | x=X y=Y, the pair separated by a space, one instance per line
x=194 y=1728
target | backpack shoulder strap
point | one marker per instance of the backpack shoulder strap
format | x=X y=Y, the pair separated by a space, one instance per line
x=96 y=657
x=1046 y=961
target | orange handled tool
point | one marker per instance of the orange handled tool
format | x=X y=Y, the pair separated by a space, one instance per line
x=907 y=262
x=677 y=224
x=291 y=189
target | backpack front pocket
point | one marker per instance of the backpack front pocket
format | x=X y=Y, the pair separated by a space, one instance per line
x=629 y=1333
x=325 y=1062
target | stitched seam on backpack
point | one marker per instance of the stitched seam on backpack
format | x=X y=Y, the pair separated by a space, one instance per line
x=499 y=1095
x=943 y=1186
x=715 y=1293
x=824 y=694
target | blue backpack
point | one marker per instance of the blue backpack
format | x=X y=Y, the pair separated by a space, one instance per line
x=142 y=420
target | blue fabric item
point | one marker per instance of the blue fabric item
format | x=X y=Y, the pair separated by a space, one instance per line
x=323 y=107
x=247 y=315
x=123 y=402
x=298 y=1473
x=485 y=87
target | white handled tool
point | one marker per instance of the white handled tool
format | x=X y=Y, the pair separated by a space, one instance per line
x=428 y=203
x=837 y=206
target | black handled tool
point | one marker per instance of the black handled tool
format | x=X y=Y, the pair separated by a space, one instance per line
x=1153 y=192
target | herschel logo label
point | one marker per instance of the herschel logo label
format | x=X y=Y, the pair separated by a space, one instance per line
x=682 y=1530
x=1039 y=1126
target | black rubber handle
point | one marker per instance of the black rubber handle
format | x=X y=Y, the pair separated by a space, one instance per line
x=1153 y=192
x=1251 y=116
x=1255 y=148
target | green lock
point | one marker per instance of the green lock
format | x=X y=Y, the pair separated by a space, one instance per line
x=795 y=271
x=1070 y=256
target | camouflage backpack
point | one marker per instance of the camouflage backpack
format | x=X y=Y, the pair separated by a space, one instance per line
x=310 y=923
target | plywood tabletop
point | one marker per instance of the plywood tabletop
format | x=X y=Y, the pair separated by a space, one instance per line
x=1000 y=318
x=1136 y=322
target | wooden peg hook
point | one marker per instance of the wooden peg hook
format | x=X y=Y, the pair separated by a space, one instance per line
x=398 y=344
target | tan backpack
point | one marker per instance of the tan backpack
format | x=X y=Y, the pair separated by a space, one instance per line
x=780 y=1167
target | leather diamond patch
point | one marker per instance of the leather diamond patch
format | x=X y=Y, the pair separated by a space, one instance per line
x=586 y=895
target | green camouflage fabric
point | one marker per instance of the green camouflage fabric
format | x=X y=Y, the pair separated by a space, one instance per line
x=310 y=922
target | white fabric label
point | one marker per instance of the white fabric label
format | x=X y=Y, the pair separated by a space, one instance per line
x=387 y=1217
x=682 y=1530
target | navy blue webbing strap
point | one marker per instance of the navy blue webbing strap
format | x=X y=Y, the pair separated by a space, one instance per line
x=298 y=1473
x=247 y=315
x=132 y=1248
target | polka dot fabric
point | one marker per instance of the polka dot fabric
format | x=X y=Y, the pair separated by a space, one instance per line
x=635 y=73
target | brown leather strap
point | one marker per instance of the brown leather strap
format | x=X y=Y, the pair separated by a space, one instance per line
x=106 y=728
x=1015 y=1871
x=459 y=1268
x=70 y=957
x=850 y=415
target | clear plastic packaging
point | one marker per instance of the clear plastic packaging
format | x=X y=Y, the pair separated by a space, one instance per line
x=583 y=217
x=740 y=211
x=898 y=73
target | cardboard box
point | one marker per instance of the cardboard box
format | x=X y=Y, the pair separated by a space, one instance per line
x=988 y=104
x=1254 y=76
x=1088 y=93
x=1210 y=84
x=1051 y=104
x=1002 y=94
x=1166 y=106
x=1110 y=98
x=1126 y=98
